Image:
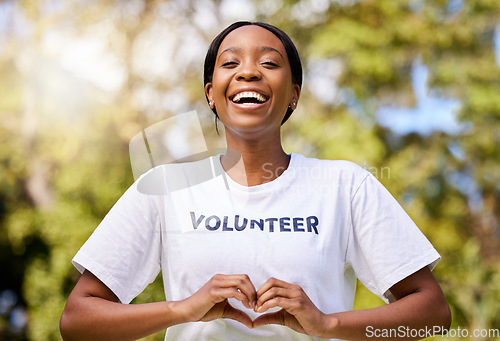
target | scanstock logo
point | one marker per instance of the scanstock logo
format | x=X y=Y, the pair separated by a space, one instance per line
x=176 y=142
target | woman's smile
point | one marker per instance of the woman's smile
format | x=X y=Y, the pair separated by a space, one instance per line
x=249 y=98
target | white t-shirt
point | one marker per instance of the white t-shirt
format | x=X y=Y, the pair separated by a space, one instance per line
x=320 y=225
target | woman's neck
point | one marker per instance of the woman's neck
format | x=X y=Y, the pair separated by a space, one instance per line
x=254 y=162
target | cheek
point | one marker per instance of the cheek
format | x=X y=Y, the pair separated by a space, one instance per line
x=221 y=78
x=285 y=88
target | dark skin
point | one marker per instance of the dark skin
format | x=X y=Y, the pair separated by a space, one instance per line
x=251 y=59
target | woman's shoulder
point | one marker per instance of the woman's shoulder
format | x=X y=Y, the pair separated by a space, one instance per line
x=169 y=177
x=344 y=167
x=337 y=173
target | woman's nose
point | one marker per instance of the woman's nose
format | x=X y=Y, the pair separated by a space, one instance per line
x=248 y=73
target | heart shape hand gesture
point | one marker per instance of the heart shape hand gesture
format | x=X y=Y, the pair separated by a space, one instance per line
x=298 y=311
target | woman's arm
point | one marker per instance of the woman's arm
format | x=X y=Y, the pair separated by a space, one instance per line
x=93 y=311
x=420 y=304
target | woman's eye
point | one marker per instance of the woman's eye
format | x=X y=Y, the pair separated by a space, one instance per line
x=272 y=64
x=229 y=64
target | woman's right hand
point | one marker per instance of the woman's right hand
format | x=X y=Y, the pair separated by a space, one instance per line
x=210 y=301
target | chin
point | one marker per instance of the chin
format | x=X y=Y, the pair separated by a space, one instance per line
x=251 y=130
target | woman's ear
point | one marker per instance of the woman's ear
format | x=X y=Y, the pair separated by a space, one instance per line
x=295 y=96
x=209 y=94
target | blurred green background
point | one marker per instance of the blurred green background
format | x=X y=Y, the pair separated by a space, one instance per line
x=408 y=89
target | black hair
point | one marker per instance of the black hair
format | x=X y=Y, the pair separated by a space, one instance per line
x=291 y=52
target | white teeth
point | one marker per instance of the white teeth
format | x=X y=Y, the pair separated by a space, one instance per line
x=249 y=94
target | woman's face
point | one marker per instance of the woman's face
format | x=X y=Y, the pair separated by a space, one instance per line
x=252 y=84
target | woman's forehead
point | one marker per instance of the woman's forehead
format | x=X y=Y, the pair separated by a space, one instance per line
x=251 y=37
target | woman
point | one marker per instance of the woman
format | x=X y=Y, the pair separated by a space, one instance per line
x=268 y=250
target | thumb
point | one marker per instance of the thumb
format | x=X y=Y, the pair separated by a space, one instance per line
x=270 y=318
x=235 y=314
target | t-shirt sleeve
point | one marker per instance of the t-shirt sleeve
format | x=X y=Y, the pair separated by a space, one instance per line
x=124 y=250
x=385 y=246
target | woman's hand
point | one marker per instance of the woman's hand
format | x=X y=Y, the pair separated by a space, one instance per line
x=298 y=313
x=210 y=301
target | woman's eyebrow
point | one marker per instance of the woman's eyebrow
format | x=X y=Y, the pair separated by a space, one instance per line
x=231 y=49
x=270 y=49
x=260 y=48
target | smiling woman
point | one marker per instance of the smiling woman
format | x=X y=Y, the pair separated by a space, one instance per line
x=268 y=249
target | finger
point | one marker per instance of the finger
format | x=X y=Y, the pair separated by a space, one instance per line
x=221 y=294
x=235 y=314
x=272 y=293
x=242 y=282
x=272 y=282
x=281 y=302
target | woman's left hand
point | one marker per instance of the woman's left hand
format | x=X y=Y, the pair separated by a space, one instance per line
x=298 y=311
